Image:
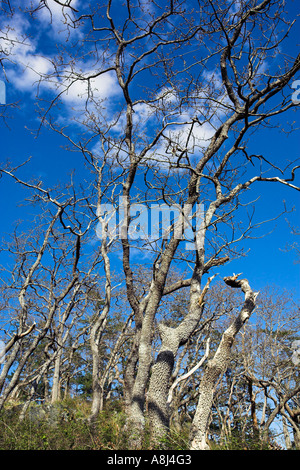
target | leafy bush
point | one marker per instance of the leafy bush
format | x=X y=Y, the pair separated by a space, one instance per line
x=73 y=433
x=65 y=427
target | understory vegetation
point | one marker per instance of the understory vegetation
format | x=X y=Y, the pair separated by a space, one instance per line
x=71 y=431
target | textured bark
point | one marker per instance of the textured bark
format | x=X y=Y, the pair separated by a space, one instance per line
x=129 y=374
x=98 y=328
x=296 y=433
x=97 y=391
x=171 y=340
x=218 y=365
x=286 y=433
x=149 y=306
x=189 y=373
x=158 y=409
x=255 y=425
x=55 y=393
x=136 y=419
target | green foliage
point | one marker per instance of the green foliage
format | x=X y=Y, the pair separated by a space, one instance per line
x=108 y=433
x=28 y=435
x=84 y=382
x=176 y=440
x=236 y=442
x=72 y=434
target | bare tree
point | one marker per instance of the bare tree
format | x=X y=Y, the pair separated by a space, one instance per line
x=260 y=377
x=173 y=131
x=218 y=365
x=47 y=281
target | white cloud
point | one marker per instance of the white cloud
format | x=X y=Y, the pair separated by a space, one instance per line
x=29 y=71
x=235 y=7
x=30 y=68
x=58 y=19
x=31 y=65
x=143 y=112
x=182 y=138
x=77 y=90
x=194 y=124
x=13 y=36
x=25 y=66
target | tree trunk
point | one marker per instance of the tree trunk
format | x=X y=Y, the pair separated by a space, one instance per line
x=158 y=409
x=287 y=437
x=136 y=419
x=255 y=426
x=172 y=339
x=129 y=374
x=55 y=393
x=99 y=325
x=296 y=433
x=97 y=398
x=217 y=366
x=149 y=305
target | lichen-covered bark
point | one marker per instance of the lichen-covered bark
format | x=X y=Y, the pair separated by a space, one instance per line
x=218 y=365
x=171 y=340
x=158 y=411
x=136 y=418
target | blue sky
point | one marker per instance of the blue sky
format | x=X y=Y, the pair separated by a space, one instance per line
x=267 y=261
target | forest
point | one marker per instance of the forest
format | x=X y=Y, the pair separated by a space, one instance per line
x=149 y=261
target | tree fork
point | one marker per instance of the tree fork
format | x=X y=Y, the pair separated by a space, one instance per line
x=218 y=365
